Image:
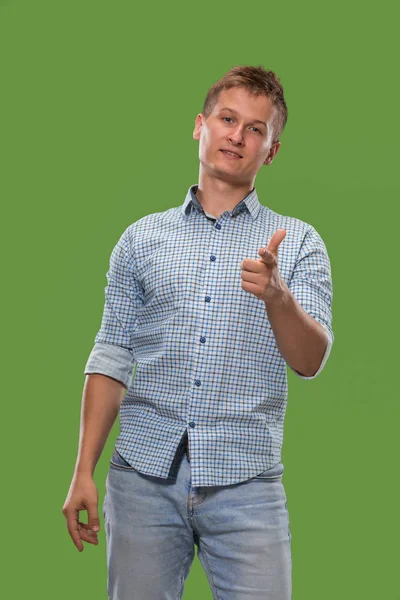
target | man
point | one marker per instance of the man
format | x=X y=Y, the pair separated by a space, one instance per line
x=211 y=300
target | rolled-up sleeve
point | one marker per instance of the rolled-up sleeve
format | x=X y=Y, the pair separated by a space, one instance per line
x=112 y=353
x=311 y=285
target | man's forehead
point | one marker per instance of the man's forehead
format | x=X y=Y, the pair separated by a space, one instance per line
x=245 y=104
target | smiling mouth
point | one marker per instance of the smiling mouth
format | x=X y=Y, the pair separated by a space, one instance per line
x=230 y=155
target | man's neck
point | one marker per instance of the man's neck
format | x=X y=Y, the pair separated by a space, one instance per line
x=216 y=198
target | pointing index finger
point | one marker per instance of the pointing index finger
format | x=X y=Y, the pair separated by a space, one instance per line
x=275 y=240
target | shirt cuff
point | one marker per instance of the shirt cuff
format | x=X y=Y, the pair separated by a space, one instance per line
x=111 y=360
x=324 y=359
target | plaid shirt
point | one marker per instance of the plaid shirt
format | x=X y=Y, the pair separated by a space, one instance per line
x=207 y=363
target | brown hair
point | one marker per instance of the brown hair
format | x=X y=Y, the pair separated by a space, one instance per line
x=257 y=81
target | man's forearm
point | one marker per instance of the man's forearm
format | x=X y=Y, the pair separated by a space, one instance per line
x=101 y=401
x=301 y=340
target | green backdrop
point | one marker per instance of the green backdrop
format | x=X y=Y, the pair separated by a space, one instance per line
x=97 y=108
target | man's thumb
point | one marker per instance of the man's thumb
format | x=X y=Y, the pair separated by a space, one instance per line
x=93 y=518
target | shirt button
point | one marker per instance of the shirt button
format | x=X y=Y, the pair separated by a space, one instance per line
x=218 y=226
x=212 y=257
x=197 y=382
x=203 y=340
x=192 y=424
x=208 y=299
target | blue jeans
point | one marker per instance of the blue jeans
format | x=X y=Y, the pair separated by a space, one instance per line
x=152 y=525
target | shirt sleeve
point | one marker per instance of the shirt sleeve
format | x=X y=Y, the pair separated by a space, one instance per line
x=112 y=353
x=311 y=285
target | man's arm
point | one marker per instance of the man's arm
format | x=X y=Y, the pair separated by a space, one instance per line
x=101 y=401
x=112 y=353
x=301 y=340
x=108 y=372
x=300 y=315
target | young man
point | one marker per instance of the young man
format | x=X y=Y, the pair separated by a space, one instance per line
x=211 y=300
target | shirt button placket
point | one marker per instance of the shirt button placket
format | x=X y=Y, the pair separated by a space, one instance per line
x=197 y=382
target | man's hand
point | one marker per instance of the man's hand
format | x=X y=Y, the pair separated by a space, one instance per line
x=261 y=277
x=82 y=495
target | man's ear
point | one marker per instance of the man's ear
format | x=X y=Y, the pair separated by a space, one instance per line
x=197 y=126
x=272 y=152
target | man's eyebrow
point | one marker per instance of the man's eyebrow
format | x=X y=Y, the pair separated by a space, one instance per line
x=254 y=121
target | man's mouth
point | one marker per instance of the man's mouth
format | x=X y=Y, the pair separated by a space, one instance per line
x=230 y=154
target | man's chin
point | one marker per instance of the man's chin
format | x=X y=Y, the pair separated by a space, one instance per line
x=220 y=169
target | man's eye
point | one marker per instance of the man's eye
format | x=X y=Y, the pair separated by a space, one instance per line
x=256 y=128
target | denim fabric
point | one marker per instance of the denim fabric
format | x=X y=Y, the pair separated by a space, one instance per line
x=153 y=526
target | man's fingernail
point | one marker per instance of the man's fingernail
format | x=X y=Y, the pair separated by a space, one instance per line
x=95 y=527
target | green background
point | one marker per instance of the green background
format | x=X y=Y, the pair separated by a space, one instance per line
x=97 y=106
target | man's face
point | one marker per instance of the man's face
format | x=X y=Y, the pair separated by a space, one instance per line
x=241 y=123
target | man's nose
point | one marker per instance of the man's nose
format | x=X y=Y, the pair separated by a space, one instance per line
x=236 y=137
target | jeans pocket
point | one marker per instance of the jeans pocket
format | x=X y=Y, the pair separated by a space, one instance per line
x=272 y=473
x=119 y=462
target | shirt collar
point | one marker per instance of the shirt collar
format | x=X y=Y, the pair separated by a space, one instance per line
x=250 y=202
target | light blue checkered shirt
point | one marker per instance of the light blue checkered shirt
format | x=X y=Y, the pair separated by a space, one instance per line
x=207 y=363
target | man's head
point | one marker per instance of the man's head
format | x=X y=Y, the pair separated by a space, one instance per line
x=244 y=112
